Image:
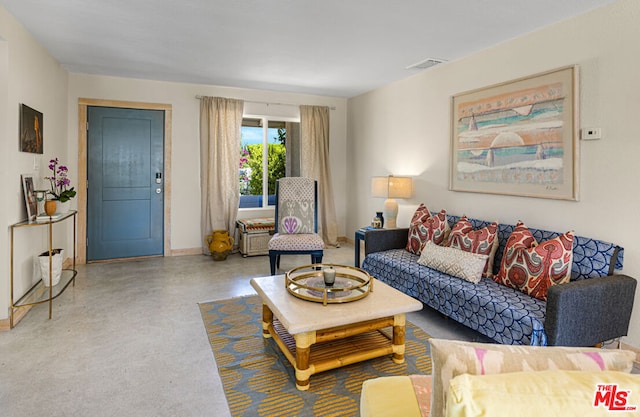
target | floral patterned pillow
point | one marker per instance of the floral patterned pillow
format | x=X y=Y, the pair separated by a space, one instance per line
x=533 y=267
x=482 y=241
x=434 y=229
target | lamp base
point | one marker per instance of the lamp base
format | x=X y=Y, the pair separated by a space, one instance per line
x=390 y=213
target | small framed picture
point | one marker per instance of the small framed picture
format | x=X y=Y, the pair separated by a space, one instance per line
x=31 y=136
x=29 y=196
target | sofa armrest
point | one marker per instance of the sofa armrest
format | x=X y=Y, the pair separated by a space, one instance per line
x=385 y=239
x=589 y=311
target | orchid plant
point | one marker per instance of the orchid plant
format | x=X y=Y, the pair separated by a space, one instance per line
x=60 y=182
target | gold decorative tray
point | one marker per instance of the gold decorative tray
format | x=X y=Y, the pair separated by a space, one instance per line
x=307 y=282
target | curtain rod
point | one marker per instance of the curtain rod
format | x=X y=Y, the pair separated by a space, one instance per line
x=269 y=103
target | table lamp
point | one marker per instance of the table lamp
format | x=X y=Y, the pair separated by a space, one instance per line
x=391 y=187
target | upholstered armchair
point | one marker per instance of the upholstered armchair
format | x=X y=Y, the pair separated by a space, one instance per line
x=296 y=226
x=486 y=379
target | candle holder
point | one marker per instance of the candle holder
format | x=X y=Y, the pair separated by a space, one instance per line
x=329 y=275
x=40 y=196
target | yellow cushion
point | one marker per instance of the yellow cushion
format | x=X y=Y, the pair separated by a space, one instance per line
x=451 y=358
x=388 y=397
x=544 y=393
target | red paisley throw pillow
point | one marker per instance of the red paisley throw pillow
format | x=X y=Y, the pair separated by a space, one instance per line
x=413 y=241
x=482 y=241
x=531 y=267
x=421 y=214
x=434 y=229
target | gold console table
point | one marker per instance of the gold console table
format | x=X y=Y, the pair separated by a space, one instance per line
x=37 y=294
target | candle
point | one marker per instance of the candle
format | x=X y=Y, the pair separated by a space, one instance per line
x=329 y=276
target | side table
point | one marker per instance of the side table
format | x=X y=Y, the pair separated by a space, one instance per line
x=362 y=232
x=360 y=238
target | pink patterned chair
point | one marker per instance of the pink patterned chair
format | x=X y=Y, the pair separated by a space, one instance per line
x=296 y=226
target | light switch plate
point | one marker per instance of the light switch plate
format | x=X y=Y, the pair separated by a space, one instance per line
x=590 y=133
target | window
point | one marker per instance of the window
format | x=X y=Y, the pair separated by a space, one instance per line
x=265 y=147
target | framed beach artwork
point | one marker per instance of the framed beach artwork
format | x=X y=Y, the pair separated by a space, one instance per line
x=518 y=138
x=31 y=137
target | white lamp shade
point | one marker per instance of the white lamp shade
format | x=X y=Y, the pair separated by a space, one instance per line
x=400 y=187
x=379 y=187
x=392 y=187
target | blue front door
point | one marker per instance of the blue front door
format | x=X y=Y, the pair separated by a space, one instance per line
x=125 y=173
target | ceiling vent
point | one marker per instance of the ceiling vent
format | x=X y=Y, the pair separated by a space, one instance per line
x=425 y=63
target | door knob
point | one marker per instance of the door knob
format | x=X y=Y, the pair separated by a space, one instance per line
x=158 y=190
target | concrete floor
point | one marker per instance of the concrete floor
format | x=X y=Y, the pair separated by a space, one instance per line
x=128 y=339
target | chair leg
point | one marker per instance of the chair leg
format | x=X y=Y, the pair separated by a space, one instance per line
x=278 y=261
x=272 y=263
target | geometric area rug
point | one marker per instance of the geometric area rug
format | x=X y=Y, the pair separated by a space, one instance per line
x=258 y=379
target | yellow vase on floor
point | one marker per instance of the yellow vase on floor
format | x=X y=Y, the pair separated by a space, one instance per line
x=220 y=244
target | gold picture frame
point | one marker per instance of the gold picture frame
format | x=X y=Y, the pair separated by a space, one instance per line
x=518 y=138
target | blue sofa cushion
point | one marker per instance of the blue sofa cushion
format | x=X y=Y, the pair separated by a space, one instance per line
x=501 y=313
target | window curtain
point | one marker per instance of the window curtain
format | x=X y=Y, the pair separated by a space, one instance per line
x=292 y=144
x=314 y=163
x=220 y=127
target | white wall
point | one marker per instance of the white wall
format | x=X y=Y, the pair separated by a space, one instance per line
x=185 y=169
x=404 y=128
x=29 y=75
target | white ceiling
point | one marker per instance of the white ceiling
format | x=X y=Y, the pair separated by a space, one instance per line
x=327 y=47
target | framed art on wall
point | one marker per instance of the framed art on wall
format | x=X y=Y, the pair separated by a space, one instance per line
x=29 y=196
x=518 y=137
x=31 y=136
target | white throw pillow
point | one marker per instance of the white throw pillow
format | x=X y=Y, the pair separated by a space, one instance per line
x=455 y=262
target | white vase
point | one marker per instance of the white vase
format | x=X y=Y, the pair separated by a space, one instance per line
x=56 y=269
x=62 y=208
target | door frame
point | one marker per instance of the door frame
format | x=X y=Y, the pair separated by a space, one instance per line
x=83 y=103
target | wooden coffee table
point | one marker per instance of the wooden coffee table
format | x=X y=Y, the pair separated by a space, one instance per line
x=316 y=337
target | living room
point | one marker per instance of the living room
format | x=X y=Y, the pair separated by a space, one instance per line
x=402 y=128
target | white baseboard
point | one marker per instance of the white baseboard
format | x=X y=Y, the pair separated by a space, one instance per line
x=185 y=252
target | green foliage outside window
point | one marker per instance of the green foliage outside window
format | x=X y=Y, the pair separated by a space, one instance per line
x=251 y=165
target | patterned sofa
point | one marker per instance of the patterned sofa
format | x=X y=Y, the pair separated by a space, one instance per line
x=595 y=306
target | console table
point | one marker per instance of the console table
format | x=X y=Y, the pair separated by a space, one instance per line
x=37 y=294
